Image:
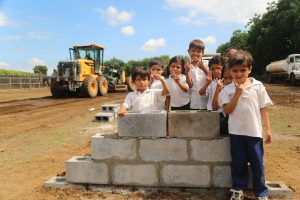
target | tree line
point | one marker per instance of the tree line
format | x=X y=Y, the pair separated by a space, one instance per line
x=271 y=36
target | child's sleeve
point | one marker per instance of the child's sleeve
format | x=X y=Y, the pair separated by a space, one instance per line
x=127 y=102
x=224 y=97
x=158 y=95
x=263 y=98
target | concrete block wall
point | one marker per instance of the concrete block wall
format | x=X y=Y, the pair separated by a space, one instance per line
x=178 y=162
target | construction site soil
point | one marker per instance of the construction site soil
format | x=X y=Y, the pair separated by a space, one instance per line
x=39 y=133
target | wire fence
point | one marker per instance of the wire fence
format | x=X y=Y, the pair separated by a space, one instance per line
x=15 y=82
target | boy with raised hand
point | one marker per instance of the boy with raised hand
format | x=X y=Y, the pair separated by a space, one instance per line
x=143 y=99
x=196 y=73
x=246 y=101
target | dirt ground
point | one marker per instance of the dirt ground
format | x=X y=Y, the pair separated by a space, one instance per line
x=39 y=133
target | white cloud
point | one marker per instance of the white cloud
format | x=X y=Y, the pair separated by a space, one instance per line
x=39 y=35
x=237 y=11
x=4 y=64
x=127 y=30
x=11 y=37
x=114 y=17
x=36 y=61
x=3 y=19
x=154 y=44
x=210 y=40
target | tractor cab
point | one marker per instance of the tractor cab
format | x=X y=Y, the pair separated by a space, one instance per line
x=91 y=55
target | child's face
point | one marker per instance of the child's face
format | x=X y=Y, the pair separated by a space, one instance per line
x=141 y=83
x=195 y=54
x=227 y=78
x=216 y=70
x=175 y=68
x=240 y=73
x=156 y=69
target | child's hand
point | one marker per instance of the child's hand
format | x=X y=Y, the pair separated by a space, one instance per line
x=220 y=84
x=188 y=66
x=209 y=77
x=239 y=87
x=158 y=77
x=268 y=137
x=122 y=111
x=174 y=76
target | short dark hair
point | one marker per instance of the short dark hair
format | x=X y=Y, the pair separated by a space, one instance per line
x=179 y=60
x=218 y=60
x=156 y=61
x=240 y=58
x=197 y=44
x=140 y=71
x=228 y=49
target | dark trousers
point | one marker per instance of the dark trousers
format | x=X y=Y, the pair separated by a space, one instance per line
x=223 y=124
x=185 y=107
x=246 y=149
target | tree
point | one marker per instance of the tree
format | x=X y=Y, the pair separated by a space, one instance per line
x=238 y=40
x=275 y=34
x=40 y=69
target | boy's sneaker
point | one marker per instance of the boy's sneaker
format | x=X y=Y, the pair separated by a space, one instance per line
x=236 y=194
x=262 y=198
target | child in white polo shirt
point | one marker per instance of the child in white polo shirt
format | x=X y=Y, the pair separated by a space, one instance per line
x=178 y=98
x=196 y=73
x=246 y=101
x=143 y=99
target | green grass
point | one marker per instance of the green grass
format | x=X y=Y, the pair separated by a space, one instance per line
x=6 y=72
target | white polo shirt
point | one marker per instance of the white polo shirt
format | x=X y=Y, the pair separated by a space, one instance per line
x=178 y=96
x=157 y=85
x=246 y=117
x=148 y=101
x=198 y=78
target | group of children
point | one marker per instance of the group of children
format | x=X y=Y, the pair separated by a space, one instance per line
x=224 y=86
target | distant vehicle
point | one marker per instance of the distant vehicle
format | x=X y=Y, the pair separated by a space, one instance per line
x=85 y=74
x=287 y=69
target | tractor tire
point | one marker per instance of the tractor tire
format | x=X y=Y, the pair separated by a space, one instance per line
x=270 y=78
x=131 y=86
x=57 y=91
x=89 y=87
x=293 y=80
x=102 y=86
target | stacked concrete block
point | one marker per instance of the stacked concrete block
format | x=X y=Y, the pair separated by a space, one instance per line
x=148 y=124
x=82 y=169
x=104 y=117
x=195 y=124
x=142 y=155
x=114 y=108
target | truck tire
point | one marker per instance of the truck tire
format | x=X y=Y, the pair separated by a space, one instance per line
x=270 y=78
x=89 y=87
x=57 y=90
x=293 y=79
x=102 y=85
x=131 y=86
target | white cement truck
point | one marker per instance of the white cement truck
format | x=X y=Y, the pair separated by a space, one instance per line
x=287 y=69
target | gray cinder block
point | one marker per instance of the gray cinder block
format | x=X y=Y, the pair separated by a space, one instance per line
x=110 y=108
x=186 y=175
x=163 y=149
x=215 y=150
x=222 y=177
x=111 y=148
x=200 y=124
x=104 y=117
x=135 y=174
x=82 y=169
x=61 y=182
x=148 y=124
x=278 y=189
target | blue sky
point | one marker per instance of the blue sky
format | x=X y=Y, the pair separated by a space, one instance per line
x=40 y=32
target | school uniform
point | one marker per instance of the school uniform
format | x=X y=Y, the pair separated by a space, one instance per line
x=198 y=78
x=245 y=130
x=157 y=85
x=179 y=99
x=143 y=102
